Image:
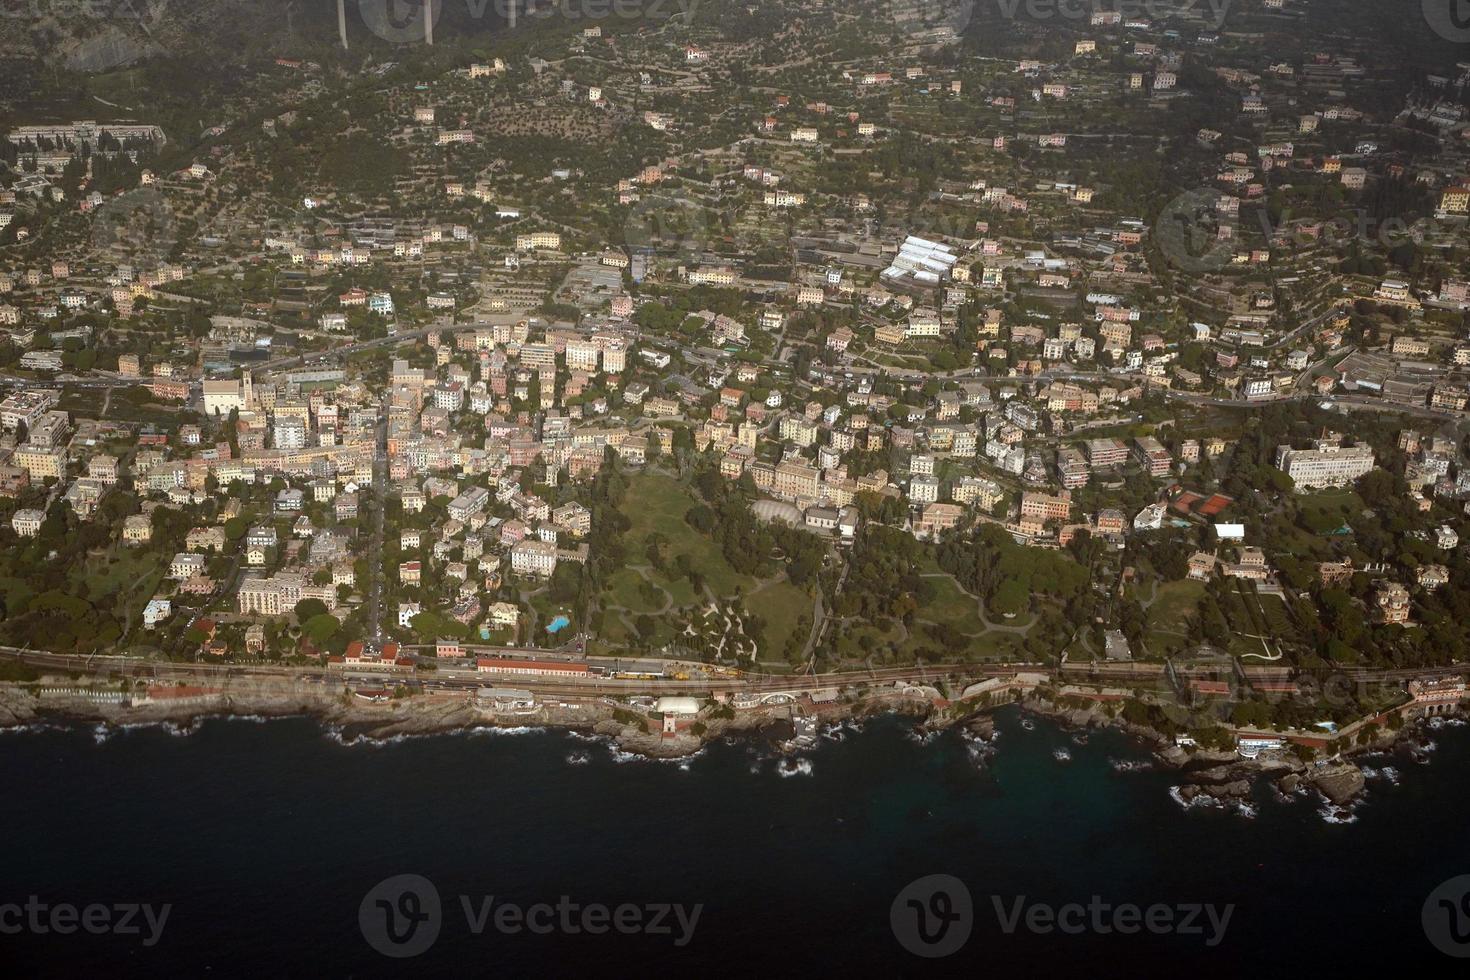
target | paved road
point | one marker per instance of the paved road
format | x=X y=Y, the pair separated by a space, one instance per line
x=757 y=683
x=375 y=547
x=392 y=340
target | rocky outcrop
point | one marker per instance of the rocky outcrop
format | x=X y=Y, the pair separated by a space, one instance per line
x=1339 y=782
x=1226 y=776
x=1173 y=756
x=983 y=726
x=658 y=746
x=17 y=707
x=1237 y=789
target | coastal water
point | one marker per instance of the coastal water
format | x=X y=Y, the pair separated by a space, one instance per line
x=265 y=837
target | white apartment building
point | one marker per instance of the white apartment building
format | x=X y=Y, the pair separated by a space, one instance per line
x=533 y=557
x=1326 y=466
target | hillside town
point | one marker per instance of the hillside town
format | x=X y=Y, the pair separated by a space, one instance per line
x=1123 y=344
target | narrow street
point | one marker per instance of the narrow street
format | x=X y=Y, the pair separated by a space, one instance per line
x=375 y=548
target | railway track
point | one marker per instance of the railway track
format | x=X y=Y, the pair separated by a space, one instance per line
x=138 y=667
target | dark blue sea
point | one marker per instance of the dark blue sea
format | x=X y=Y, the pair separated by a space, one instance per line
x=268 y=841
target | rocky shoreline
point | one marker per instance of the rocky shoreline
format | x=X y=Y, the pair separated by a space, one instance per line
x=1203 y=775
x=1226 y=777
x=357 y=720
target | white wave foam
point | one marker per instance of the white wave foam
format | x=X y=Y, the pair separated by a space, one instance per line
x=1387 y=774
x=495 y=730
x=31 y=728
x=980 y=753
x=681 y=761
x=1331 y=813
x=1130 y=765
x=1202 y=801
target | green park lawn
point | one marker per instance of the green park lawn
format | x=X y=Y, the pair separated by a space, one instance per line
x=1327 y=510
x=950 y=606
x=1175 y=605
x=123 y=573
x=656 y=502
x=779 y=605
